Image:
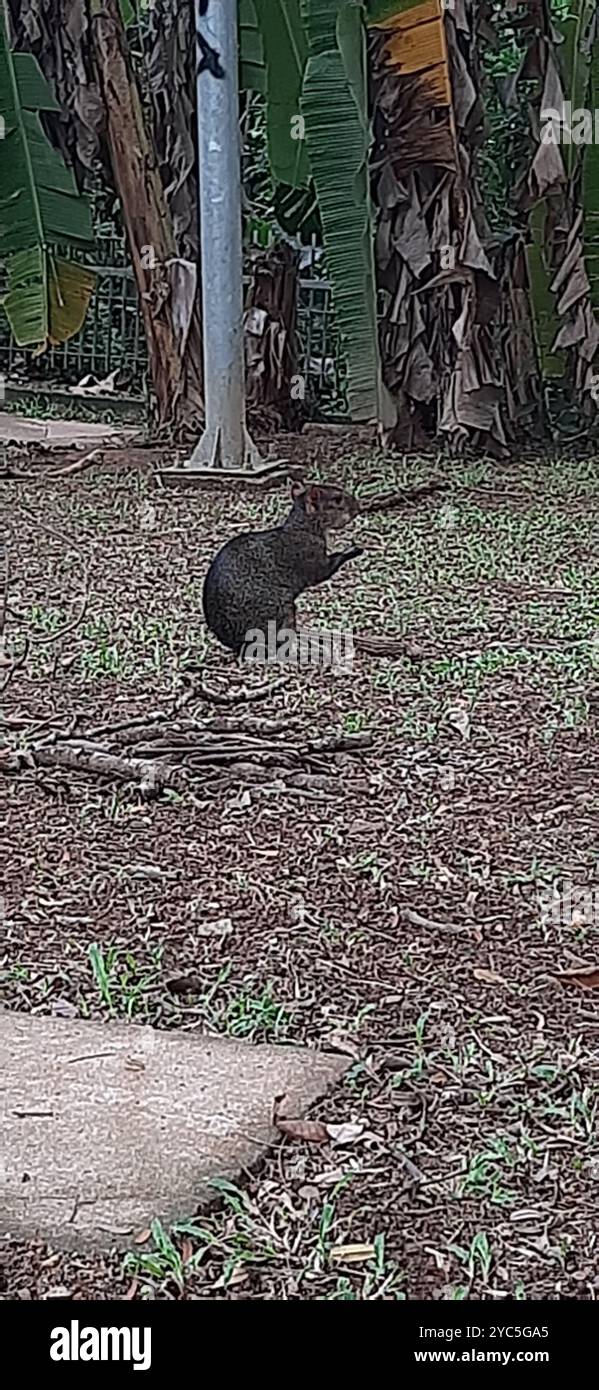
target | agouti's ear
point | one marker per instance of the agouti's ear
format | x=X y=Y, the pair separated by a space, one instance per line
x=312 y=499
x=297 y=489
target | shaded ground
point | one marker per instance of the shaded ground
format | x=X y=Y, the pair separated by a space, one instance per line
x=473 y=1165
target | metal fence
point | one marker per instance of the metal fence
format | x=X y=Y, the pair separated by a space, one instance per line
x=112 y=337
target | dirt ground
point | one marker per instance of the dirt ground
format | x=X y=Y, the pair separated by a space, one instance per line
x=397 y=916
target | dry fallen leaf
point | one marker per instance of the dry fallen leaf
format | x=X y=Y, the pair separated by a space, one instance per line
x=142 y=1237
x=458 y=715
x=586 y=977
x=351 y=1254
x=310 y=1130
x=447 y=779
x=489 y=976
x=134 y=1064
x=345 y=1134
x=343 y=1042
x=223 y=927
x=185 y=984
x=238 y=1276
x=309 y=1192
x=131 y=1291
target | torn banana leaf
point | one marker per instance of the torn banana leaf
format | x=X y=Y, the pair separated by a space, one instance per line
x=415 y=44
x=334 y=105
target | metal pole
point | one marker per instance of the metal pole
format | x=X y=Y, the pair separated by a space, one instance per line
x=225 y=442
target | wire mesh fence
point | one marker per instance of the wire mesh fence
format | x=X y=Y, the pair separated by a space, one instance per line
x=112 y=338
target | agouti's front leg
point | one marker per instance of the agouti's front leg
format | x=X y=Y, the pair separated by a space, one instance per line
x=321 y=567
x=340 y=557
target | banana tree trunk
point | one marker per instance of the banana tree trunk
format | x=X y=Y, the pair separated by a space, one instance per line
x=442 y=277
x=270 y=337
x=167 y=284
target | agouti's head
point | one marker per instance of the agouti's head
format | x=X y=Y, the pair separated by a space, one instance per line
x=330 y=506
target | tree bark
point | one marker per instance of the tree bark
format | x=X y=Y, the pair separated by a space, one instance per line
x=82 y=49
x=167 y=285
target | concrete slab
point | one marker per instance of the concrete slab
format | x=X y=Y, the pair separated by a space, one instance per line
x=104 y=1127
x=53 y=434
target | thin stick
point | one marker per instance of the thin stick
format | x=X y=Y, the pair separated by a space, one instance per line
x=77 y=467
x=235 y=697
x=387 y=501
x=72 y=624
x=16 y=666
x=4 y=577
x=418 y=920
x=152 y=776
x=51 y=530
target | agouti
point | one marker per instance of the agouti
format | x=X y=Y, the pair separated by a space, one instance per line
x=256 y=577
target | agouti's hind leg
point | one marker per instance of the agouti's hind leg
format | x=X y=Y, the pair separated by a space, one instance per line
x=277 y=642
x=285 y=651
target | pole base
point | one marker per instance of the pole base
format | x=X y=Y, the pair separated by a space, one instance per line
x=208 y=453
x=268 y=473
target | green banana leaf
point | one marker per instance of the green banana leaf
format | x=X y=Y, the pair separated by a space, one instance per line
x=40 y=208
x=252 y=76
x=47 y=298
x=377 y=10
x=590 y=189
x=274 y=29
x=320 y=18
x=542 y=302
x=296 y=211
x=575 y=66
x=128 y=14
x=579 y=65
x=334 y=105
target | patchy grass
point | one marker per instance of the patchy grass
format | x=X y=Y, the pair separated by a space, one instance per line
x=403 y=923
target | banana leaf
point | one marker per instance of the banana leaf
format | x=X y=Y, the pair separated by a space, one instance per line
x=542 y=302
x=274 y=29
x=590 y=189
x=252 y=76
x=320 y=18
x=128 y=15
x=47 y=298
x=416 y=44
x=334 y=105
x=573 y=59
x=40 y=209
x=578 y=58
x=296 y=211
x=377 y=10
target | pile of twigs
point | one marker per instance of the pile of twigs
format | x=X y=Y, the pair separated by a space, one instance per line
x=179 y=750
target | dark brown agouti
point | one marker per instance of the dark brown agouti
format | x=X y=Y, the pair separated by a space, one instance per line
x=255 y=579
